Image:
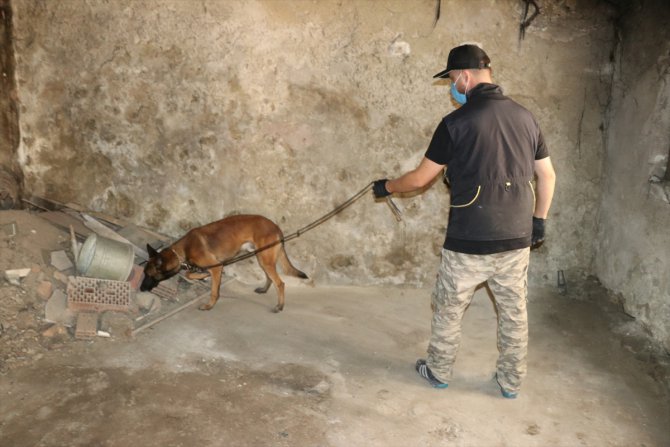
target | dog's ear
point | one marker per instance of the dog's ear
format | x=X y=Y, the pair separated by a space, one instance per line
x=152 y=251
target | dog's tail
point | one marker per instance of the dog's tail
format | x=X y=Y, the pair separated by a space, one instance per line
x=287 y=267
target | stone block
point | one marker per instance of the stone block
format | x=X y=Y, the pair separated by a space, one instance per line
x=56 y=310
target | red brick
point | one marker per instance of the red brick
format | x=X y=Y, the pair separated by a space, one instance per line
x=45 y=289
x=87 y=325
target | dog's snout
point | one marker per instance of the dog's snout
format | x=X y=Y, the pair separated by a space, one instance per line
x=147 y=284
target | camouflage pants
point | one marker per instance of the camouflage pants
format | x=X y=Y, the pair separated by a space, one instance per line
x=458 y=276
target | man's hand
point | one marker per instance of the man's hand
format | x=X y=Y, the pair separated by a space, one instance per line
x=538 y=233
x=379 y=188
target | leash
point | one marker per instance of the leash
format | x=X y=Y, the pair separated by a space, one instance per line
x=301 y=231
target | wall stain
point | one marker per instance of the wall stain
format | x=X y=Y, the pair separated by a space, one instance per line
x=336 y=105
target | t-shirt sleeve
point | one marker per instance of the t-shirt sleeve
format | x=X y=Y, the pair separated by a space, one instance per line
x=541 y=151
x=440 y=148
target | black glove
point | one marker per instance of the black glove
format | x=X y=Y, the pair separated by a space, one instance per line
x=538 y=233
x=379 y=188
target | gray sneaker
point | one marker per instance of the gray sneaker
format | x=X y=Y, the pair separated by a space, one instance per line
x=425 y=372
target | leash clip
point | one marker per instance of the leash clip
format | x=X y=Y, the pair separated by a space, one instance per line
x=394 y=208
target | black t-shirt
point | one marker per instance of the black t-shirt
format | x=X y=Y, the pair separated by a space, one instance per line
x=488 y=145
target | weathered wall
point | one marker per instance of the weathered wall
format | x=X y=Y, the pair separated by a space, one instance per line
x=633 y=238
x=10 y=170
x=176 y=113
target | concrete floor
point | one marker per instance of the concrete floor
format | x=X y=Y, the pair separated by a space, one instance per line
x=335 y=369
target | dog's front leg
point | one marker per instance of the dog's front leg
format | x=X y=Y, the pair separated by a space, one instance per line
x=197 y=275
x=215 y=273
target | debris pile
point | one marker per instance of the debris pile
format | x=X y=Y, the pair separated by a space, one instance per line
x=47 y=301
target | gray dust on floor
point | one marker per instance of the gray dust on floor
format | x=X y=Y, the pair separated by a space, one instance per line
x=335 y=369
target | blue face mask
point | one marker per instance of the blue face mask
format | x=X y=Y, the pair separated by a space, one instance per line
x=460 y=98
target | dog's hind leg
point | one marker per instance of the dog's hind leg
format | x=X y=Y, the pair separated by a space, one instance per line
x=215 y=273
x=267 y=260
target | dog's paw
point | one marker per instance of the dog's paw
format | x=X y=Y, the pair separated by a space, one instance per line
x=260 y=290
x=205 y=307
x=278 y=309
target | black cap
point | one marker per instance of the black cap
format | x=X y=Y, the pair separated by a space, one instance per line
x=464 y=57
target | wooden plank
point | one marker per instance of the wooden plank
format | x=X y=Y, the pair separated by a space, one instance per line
x=63 y=220
x=41 y=203
x=74 y=208
x=115 y=220
x=98 y=215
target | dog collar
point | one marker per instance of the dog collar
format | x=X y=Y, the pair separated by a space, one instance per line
x=182 y=261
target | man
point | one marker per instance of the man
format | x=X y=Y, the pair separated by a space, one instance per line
x=492 y=148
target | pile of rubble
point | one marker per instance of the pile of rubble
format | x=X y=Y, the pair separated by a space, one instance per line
x=45 y=302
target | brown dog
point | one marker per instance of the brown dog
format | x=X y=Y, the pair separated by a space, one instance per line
x=208 y=246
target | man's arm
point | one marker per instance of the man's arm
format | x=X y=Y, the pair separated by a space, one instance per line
x=415 y=179
x=546 y=181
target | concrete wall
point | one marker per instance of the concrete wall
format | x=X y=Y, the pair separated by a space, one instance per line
x=10 y=170
x=175 y=113
x=8 y=118
x=634 y=219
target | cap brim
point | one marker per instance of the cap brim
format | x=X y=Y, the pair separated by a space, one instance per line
x=443 y=74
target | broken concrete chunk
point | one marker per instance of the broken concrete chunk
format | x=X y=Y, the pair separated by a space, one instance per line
x=147 y=301
x=60 y=260
x=14 y=276
x=56 y=310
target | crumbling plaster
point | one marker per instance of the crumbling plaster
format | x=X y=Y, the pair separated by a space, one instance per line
x=633 y=237
x=176 y=113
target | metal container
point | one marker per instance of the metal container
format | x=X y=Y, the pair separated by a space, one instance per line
x=105 y=258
